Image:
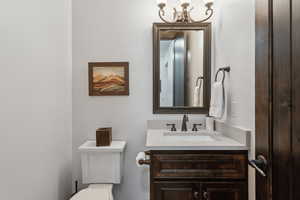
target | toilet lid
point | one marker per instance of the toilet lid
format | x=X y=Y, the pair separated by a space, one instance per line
x=95 y=192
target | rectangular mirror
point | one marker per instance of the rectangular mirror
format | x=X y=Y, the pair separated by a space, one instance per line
x=181 y=68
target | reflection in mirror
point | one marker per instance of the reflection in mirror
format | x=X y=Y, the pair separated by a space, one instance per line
x=181 y=68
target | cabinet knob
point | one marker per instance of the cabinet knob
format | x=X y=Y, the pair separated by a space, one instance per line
x=205 y=195
x=196 y=195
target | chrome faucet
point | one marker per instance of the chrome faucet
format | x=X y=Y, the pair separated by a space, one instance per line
x=184 y=121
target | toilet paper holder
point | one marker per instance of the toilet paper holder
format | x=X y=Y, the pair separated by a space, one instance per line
x=145 y=161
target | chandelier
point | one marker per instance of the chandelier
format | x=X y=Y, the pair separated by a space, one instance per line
x=184 y=16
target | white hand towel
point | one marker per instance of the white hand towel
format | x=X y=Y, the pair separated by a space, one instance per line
x=197 y=98
x=217 y=100
x=198 y=94
x=140 y=156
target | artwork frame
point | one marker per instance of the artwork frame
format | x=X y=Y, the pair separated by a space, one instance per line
x=108 y=78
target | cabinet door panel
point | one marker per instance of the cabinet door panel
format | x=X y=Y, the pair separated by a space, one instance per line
x=176 y=191
x=225 y=191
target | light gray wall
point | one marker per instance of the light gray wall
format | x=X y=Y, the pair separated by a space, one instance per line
x=234 y=45
x=35 y=99
x=115 y=30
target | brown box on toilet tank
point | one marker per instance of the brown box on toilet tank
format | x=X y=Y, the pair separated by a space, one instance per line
x=103 y=136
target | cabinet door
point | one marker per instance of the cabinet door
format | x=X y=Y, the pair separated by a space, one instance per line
x=175 y=191
x=224 y=191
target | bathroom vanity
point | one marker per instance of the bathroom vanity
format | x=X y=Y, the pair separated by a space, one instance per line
x=198 y=174
x=197 y=165
x=191 y=164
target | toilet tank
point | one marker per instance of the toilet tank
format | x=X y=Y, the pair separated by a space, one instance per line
x=102 y=164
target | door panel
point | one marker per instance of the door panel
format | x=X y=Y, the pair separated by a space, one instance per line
x=296 y=96
x=224 y=191
x=282 y=100
x=176 y=191
x=263 y=97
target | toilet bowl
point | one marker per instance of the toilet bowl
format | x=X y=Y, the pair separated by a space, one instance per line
x=95 y=192
x=101 y=168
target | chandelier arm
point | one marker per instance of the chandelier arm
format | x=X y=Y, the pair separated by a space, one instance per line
x=205 y=19
x=161 y=14
x=189 y=17
x=175 y=14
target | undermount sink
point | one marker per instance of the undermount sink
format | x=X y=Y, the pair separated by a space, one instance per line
x=189 y=136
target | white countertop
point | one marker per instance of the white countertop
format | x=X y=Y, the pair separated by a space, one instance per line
x=160 y=139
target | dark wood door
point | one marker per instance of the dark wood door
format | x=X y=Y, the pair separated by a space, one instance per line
x=176 y=191
x=277 y=98
x=224 y=191
x=263 y=95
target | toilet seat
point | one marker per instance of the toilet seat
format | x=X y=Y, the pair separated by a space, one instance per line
x=95 y=192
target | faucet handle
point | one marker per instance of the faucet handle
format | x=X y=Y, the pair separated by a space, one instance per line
x=173 y=128
x=186 y=117
x=195 y=127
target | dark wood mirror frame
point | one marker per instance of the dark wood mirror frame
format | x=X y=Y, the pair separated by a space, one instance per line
x=157 y=27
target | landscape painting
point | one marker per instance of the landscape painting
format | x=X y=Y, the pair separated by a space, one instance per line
x=106 y=79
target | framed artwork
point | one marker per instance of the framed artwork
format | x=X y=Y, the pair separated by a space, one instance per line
x=108 y=78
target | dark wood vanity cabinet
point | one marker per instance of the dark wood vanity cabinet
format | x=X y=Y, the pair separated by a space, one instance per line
x=199 y=175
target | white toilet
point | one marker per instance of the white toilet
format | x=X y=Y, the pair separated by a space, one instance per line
x=101 y=168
